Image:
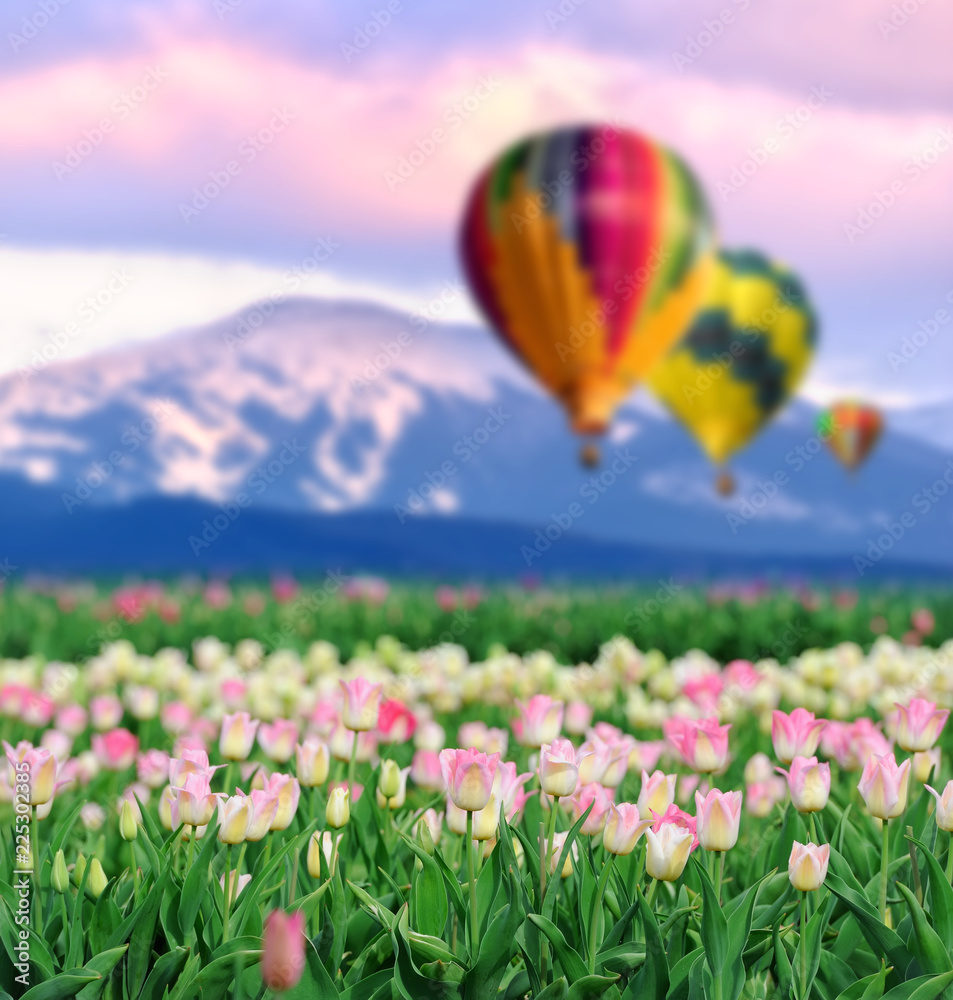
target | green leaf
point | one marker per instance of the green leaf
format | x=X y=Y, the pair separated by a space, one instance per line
x=429 y=908
x=868 y=988
x=782 y=964
x=196 y=883
x=922 y=988
x=103 y=963
x=496 y=947
x=165 y=972
x=812 y=943
x=652 y=982
x=591 y=987
x=66 y=984
x=142 y=937
x=411 y=983
x=315 y=983
x=549 y=903
x=882 y=940
x=557 y=990
x=941 y=896
x=925 y=943
x=570 y=960
x=714 y=924
x=376 y=909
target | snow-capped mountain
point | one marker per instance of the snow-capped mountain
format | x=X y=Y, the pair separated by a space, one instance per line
x=323 y=408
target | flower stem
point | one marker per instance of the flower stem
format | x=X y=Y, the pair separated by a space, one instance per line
x=949 y=859
x=35 y=855
x=803 y=944
x=188 y=859
x=813 y=828
x=352 y=767
x=474 y=914
x=719 y=866
x=228 y=890
x=550 y=833
x=597 y=910
x=653 y=888
x=883 y=872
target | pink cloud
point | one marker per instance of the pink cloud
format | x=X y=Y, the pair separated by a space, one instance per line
x=336 y=162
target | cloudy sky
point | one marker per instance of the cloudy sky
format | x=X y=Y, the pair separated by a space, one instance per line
x=117 y=113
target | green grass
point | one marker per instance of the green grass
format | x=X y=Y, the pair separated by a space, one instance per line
x=72 y=622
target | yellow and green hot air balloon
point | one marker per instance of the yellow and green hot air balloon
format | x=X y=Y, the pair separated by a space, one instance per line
x=589 y=250
x=742 y=357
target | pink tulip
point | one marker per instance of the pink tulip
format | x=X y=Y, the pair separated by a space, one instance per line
x=807 y=866
x=883 y=785
x=809 y=783
x=425 y=771
x=152 y=768
x=923 y=621
x=681 y=819
x=717 y=818
x=703 y=745
x=176 y=717
x=278 y=739
x=919 y=724
x=288 y=791
x=237 y=736
x=925 y=763
x=468 y=775
x=262 y=809
x=762 y=796
x=645 y=754
x=577 y=718
x=539 y=721
x=105 y=711
x=667 y=850
x=395 y=722
x=657 y=792
x=115 y=750
x=312 y=762
x=598 y=797
x=944 y=806
x=282 y=954
x=623 y=828
x=38 y=765
x=595 y=757
x=473 y=734
x=195 y=802
x=361 y=704
x=758 y=769
x=430 y=735
x=619 y=761
x=795 y=735
x=508 y=788
x=190 y=762
x=233 y=691
x=72 y=720
x=558 y=767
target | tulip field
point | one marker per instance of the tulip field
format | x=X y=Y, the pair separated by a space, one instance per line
x=229 y=818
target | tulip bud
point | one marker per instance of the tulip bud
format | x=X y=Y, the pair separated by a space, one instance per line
x=807 y=866
x=925 y=762
x=314 y=855
x=667 y=851
x=389 y=781
x=282 y=958
x=79 y=869
x=944 y=806
x=59 y=878
x=424 y=837
x=128 y=828
x=97 y=881
x=338 y=812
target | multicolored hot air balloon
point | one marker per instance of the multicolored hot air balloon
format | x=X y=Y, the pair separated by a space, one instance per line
x=851 y=430
x=589 y=250
x=742 y=357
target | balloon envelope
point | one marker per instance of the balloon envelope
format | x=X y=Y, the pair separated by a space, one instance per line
x=851 y=430
x=743 y=355
x=588 y=249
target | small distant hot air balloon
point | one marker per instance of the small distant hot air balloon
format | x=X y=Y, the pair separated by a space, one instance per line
x=742 y=357
x=851 y=430
x=589 y=250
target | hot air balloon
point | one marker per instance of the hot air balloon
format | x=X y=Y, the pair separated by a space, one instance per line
x=851 y=430
x=588 y=249
x=742 y=357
